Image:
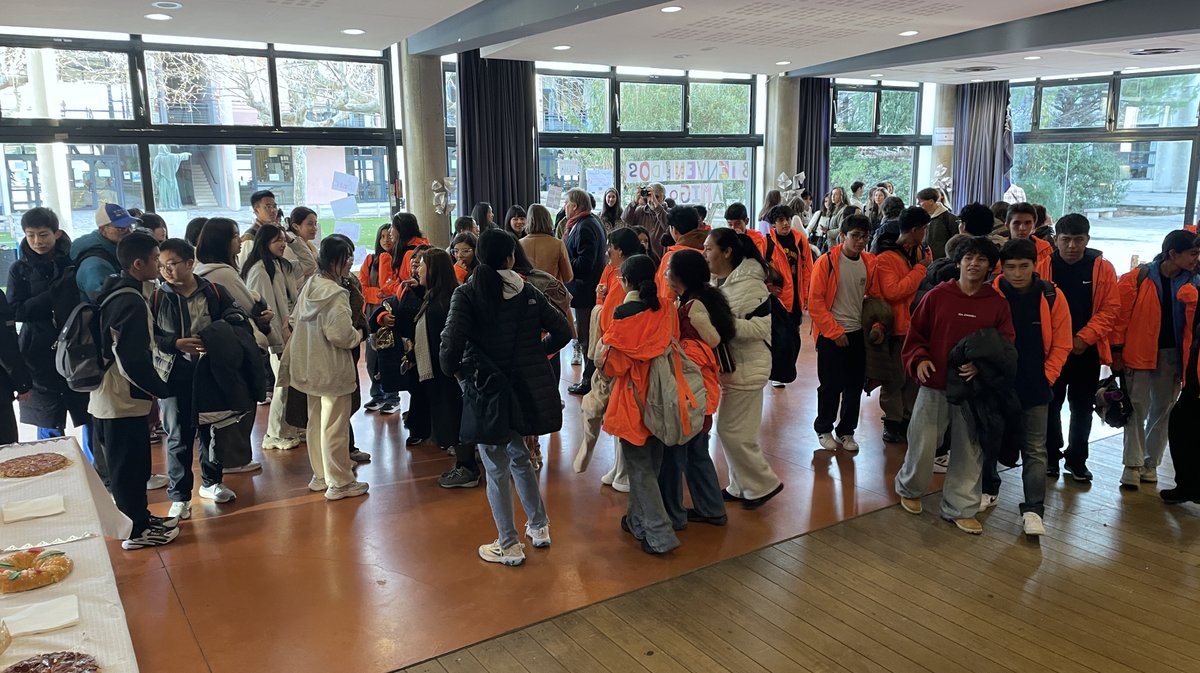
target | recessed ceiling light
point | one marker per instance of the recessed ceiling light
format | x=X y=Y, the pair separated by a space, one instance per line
x=167 y=5
x=783 y=62
x=908 y=33
x=353 y=31
x=976 y=80
x=1033 y=58
x=671 y=9
x=1133 y=67
x=159 y=17
x=876 y=74
x=562 y=47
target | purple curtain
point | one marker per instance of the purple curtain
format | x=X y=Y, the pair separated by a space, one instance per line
x=816 y=120
x=497 y=132
x=983 y=144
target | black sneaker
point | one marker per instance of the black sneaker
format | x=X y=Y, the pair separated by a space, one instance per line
x=892 y=434
x=1178 y=496
x=1052 y=470
x=693 y=515
x=1078 y=472
x=729 y=497
x=164 y=521
x=459 y=477
x=154 y=536
x=581 y=388
x=413 y=441
x=755 y=503
x=374 y=405
x=390 y=407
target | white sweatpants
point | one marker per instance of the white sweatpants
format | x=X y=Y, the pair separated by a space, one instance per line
x=329 y=439
x=739 y=416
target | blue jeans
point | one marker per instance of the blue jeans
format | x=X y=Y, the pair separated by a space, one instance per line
x=692 y=461
x=51 y=433
x=508 y=465
x=647 y=516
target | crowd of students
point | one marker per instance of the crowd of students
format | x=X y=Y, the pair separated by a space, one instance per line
x=975 y=330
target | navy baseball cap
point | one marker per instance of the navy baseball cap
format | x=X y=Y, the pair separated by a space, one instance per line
x=111 y=213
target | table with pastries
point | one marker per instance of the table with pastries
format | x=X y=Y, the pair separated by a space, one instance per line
x=51 y=524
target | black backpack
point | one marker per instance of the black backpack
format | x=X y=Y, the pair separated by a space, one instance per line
x=785 y=339
x=65 y=291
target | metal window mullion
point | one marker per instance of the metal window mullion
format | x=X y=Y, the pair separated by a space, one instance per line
x=273 y=87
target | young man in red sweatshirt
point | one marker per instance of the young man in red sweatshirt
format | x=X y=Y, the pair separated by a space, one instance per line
x=947 y=314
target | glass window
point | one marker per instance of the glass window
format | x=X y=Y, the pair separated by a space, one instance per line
x=224 y=90
x=340 y=94
x=450 y=79
x=651 y=107
x=1148 y=102
x=713 y=177
x=71 y=179
x=64 y=84
x=1020 y=106
x=217 y=180
x=855 y=112
x=719 y=108
x=1133 y=193
x=872 y=164
x=570 y=167
x=572 y=104
x=897 y=112
x=1074 y=106
x=452 y=172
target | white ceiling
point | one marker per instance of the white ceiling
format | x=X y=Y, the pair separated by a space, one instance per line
x=309 y=22
x=752 y=35
x=1094 y=58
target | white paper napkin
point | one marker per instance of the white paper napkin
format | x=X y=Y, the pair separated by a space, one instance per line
x=43 y=617
x=34 y=508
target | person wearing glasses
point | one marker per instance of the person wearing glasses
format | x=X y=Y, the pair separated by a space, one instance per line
x=841 y=278
x=266 y=211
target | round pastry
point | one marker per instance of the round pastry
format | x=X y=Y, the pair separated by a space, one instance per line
x=33 y=465
x=32 y=569
x=56 y=662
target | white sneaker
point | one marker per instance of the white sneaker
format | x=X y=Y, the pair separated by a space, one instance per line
x=988 y=501
x=941 y=464
x=217 y=492
x=280 y=443
x=777 y=384
x=248 y=467
x=1148 y=475
x=827 y=441
x=351 y=490
x=848 y=443
x=540 y=536
x=1131 y=477
x=1033 y=524
x=492 y=553
x=577 y=355
x=316 y=485
x=157 y=481
x=621 y=485
x=182 y=510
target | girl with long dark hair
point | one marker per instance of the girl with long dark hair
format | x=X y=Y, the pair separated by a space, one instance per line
x=379 y=281
x=740 y=273
x=406 y=237
x=641 y=329
x=319 y=362
x=495 y=330
x=514 y=221
x=270 y=275
x=484 y=216
x=705 y=322
x=302 y=230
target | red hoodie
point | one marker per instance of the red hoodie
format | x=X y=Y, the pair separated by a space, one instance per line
x=943 y=318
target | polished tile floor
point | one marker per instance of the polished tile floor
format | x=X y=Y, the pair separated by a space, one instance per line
x=281 y=580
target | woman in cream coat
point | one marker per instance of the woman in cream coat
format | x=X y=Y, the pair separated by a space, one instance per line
x=739 y=271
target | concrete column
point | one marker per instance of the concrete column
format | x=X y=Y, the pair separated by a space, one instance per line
x=944 y=113
x=782 y=141
x=424 y=124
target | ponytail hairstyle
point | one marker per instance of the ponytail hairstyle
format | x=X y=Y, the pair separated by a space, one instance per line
x=626 y=240
x=741 y=246
x=261 y=252
x=495 y=248
x=298 y=216
x=638 y=273
x=691 y=271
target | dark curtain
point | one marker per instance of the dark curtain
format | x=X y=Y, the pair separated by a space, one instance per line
x=983 y=144
x=816 y=108
x=497 y=132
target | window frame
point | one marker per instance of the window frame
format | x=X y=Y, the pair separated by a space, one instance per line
x=916 y=140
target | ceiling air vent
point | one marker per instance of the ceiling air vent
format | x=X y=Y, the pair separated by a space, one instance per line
x=1160 y=51
x=977 y=68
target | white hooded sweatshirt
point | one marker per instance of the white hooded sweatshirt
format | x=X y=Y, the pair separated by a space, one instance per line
x=319 y=358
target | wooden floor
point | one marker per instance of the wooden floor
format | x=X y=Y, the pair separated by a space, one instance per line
x=1111 y=588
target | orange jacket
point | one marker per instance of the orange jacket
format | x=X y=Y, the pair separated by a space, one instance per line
x=705 y=358
x=614 y=294
x=633 y=342
x=1042 y=266
x=372 y=293
x=779 y=261
x=897 y=282
x=405 y=271
x=1136 y=332
x=1057 y=337
x=825 y=277
x=461 y=273
x=693 y=240
x=1106 y=307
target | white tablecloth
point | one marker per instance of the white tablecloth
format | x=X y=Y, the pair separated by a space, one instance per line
x=90 y=515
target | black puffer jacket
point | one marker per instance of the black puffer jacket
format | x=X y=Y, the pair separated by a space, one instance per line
x=172 y=321
x=586 y=248
x=939 y=271
x=509 y=333
x=230 y=376
x=989 y=398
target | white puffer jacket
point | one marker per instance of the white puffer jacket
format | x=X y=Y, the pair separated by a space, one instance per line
x=746 y=290
x=319 y=358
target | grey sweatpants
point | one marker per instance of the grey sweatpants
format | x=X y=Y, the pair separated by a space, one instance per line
x=962 y=489
x=1153 y=394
